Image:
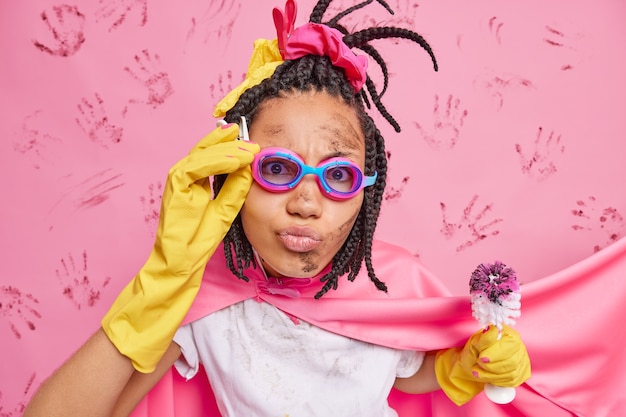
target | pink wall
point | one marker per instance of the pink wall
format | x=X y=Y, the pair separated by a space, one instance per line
x=515 y=150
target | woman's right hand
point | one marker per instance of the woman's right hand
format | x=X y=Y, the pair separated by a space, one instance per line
x=143 y=319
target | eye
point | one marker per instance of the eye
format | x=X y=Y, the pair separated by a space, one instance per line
x=275 y=168
x=339 y=174
x=279 y=170
x=341 y=177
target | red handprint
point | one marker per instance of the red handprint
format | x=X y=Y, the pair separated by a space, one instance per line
x=446 y=126
x=95 y=123
x=77 y=285
x=499 y=86
x=404 y=14
x=152 y=206
x=156 y=82
x=88 y=193
x=395 y=193
x=19 y=309
x=116 y=11
x=566 y=42
x=539 y=164
x=18 y=409
x=592 y=216
x=468 y=225
x=216 y=23
x=65 y=23
x=225 y=83
x=35 y=143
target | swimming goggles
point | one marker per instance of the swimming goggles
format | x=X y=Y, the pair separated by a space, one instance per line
x=278 y=170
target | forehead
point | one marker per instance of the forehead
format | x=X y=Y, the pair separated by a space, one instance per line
x=308 y=122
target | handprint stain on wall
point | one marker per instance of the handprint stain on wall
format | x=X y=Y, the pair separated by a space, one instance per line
x=592 y=216
x=404 y=14
x=447 y=124
x=565 y=44
x=97 y=189
x=18 y=409
x=225 y=83
x=540 y=162
x=76 y=284
x=115 y=12
x=34 y=143
x=216 y=23
x=19 y=309
x=66 y=26
x=155 y=81
x=500 y=86
x=556 y=38
x=495 y=27
x=393 y=193
x=94 y=121
x=88 y=193
x=151 y=205
x=471 y=227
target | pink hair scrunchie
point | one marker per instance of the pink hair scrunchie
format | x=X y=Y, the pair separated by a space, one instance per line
x=318 y=39
x=293 y=43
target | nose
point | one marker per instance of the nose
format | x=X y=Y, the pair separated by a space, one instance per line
x=306 y=199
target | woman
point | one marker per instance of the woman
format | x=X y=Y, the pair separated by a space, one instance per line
x=296 y=208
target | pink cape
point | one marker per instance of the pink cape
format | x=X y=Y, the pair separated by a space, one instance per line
x=570 y=324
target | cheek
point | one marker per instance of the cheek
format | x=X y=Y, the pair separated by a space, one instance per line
x=259 y=212
x=346 y=217
x=252 y=212
x=256 y=199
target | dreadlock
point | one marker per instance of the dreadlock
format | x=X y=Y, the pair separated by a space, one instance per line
x=316 y=73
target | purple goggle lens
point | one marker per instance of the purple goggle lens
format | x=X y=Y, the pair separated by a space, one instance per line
x=279 y=170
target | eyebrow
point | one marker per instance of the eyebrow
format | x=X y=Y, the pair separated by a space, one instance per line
x=338 y=154
x=272 y=129
x=341 y=141
x=345 y=141
x=344 y=133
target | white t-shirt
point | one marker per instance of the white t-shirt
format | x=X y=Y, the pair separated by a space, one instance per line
x=262 y=363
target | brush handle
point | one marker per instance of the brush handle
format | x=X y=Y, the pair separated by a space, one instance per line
x=499 y=395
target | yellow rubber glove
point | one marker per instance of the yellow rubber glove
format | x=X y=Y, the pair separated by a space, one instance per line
x=143 y=319
x=463 y=372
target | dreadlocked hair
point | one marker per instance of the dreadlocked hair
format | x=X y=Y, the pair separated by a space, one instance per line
x=360 y=41
x=316 y=73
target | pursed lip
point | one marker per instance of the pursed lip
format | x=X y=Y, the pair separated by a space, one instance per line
x=300 y=239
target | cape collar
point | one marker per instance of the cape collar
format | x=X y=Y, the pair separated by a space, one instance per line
x=285 y=286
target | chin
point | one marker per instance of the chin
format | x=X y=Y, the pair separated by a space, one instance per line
x=295 y=269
